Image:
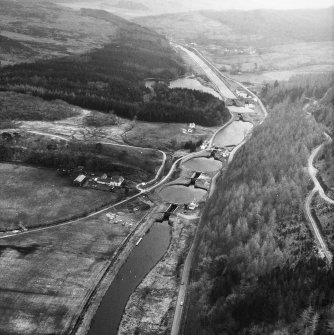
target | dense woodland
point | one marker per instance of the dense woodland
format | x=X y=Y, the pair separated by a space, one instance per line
x=256 y=270
x=183 y=105
x=93 y=157
x=111 y=80
x=105 y=79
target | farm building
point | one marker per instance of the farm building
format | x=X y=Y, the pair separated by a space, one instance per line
x=80 y=180
x=109 y=181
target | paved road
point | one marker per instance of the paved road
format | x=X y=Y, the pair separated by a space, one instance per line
x=188 y=262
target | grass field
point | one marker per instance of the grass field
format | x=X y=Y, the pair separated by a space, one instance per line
x=34 y=197
x=46 y=276
x=165 y=136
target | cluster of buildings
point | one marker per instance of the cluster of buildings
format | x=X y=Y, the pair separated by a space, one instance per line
x=190 y=130
x=249 y=100
x=104 y=180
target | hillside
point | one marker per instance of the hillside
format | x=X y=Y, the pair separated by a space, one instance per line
x=255 y=41
x=259 y=27
x=135 y=8
x=37 y=29
x=257 y=269
x=106 y=77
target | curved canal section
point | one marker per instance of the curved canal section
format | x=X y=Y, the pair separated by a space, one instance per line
x=202 y=164
x=233 y=134
x=142 y=259
x=180 y=194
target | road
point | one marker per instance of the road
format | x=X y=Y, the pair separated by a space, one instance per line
x=313 y=171
x=32 y=230
x=315 y=229
x=308 y=204
x=188 y=262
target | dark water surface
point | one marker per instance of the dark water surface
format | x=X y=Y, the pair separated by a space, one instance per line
x=142 y=259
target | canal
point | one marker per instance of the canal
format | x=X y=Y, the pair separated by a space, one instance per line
x=142 y=259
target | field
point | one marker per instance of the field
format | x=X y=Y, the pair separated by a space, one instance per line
x=295 y=57
x=37 y=197
x=255 y=45
x=165 y=136
x=280 y=75
x=47 y=276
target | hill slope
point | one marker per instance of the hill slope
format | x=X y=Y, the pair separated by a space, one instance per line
x=37 y=29
x=262 y=27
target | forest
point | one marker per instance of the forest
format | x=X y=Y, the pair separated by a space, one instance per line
x=106 y=79
x=256 y=270
x=111 y=80
x=183 y=105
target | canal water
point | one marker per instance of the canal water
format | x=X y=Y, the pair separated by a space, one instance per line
x=142 y=259
x=232 y=134
x=180 y=194
x=193 y=84
x=202 y=164
x=155 y=244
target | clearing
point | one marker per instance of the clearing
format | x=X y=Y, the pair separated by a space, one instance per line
x=165 y=136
